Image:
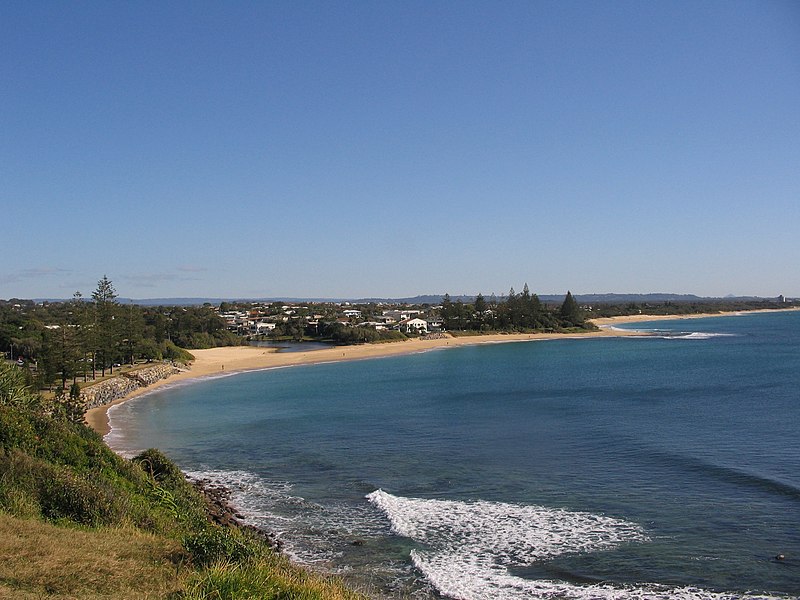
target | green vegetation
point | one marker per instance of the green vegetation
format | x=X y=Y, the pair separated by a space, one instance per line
x=342 y=334
x=516 y=313
x=65 y=342
x=710 y=306
x=76 y=520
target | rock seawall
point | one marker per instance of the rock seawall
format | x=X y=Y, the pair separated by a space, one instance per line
x=115 y=388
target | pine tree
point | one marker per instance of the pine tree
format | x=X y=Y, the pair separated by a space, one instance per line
x=480 y=304
x=105 y=335
x=570 y=312
x=448 y=316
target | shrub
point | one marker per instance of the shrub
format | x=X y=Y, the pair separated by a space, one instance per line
x=172 y=352
x=64 y=495
x=159 y=467
x=16 y=429
x=30 y=484
x=15 y=390
x=213 y=544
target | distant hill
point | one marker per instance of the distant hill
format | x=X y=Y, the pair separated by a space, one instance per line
x=437 y=299
x=580 y=298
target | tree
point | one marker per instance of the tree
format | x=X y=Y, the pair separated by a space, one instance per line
x=70 y=407
x=570 y=312
x=460 y=313
x=79 y=320
x=480 y=304
x=133 y=325
x=105 y=335
x=512 y=308
x=448 y=312
x=480 y=309
x=530 y=309
x=65 y=352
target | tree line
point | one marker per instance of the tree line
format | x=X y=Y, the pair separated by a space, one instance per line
x=84 y=338
x=515 y=312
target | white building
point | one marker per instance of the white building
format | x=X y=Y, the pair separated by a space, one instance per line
x=414 y=326
x=401 y=315
x=262 y=328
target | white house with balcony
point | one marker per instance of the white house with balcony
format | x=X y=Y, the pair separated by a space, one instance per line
x=415 y=325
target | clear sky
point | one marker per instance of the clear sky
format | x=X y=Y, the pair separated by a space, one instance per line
x=359 y=148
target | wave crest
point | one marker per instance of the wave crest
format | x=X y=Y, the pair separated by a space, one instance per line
x=469 y=548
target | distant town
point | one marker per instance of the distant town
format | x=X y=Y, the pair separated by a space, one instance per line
x=77 y=340
x=263 y=320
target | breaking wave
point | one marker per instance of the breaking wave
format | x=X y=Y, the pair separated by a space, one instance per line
x=697 y=335
x=310 y=533
x=468 y=550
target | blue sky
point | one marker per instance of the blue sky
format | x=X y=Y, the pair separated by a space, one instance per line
x=350 y=149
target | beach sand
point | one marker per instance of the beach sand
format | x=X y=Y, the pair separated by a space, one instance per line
x=213 y=361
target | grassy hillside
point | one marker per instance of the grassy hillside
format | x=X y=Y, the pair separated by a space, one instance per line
x=78 y=521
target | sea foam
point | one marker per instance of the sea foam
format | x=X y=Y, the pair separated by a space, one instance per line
x=468 y=549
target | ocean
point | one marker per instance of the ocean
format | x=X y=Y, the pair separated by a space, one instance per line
x=665 y=466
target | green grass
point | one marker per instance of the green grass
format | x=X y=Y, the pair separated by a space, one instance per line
x=44 y=560
x=269 y=578
x=78 y=521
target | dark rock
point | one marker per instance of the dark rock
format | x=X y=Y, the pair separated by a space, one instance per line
x=222 y=513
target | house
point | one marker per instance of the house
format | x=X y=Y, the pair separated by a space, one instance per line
x=415 y=325
x=352 y=313
x=377 y=325
x=386 y=320
x=435 y=324
x=262 y=328
x=401 y=315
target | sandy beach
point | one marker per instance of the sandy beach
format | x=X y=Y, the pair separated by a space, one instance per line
x=213 y=361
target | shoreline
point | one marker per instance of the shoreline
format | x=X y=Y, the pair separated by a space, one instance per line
x=238 y=359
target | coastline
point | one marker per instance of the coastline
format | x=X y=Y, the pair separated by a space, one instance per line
x=210 y=362
x=235 y=359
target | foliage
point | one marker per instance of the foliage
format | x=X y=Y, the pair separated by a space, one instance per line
x=66 y=472
x=63 y=342
x=269 y=578
x=14 y=389
x=210 y=545
x=61 y=472
x=58 y=471
x=570 y=312
x=343 y=334
x=172 y=352
x=517 y=312
x=69 y=407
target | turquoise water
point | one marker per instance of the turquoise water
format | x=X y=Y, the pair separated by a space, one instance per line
x=657 y=467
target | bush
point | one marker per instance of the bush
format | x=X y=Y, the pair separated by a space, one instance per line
x=214 y=544
x=64 y=495
x=159 y=467
x=172 y=352
x=15 y=389
x=16 y=429
x=55 y=492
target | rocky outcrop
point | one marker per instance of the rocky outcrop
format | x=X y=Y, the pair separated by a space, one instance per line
x=221 y=511
x=115 y=388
